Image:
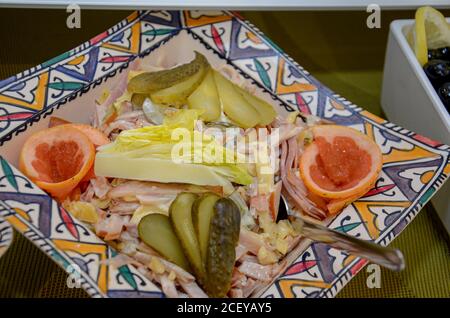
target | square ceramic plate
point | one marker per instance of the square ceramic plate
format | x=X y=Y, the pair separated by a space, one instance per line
x=415 y=167
x=6 y=236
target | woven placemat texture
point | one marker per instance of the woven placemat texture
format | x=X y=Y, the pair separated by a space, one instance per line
x=337 y=49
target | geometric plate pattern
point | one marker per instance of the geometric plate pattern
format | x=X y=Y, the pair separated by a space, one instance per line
x=415 y=167
x=6 y=236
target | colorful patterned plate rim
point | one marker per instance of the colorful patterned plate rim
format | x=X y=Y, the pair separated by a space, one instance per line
x=415 y=166
x=6 y=236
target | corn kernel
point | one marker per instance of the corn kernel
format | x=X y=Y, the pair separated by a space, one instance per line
x=172 y=275
x=156 y=266
x=266 y=257
x=282 y=246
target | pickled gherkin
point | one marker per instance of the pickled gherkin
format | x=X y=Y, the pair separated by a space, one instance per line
x=202 y=214
x=266 y=112
x=206 y=99
x=177 y=94
x=156 y=231
x=149 y=82
x=234 y=104
x=180 y=214
x=221 y=254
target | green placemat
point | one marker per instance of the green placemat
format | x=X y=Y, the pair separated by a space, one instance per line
x=335 y=47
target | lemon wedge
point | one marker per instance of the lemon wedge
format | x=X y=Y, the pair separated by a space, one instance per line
x=431 y=31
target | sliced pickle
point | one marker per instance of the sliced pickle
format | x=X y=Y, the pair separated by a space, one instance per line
x=266 y=112
x=180 y=214
x=149 y=82
x=221 y=255
x=202 y=214
x=177 y=94
x=234 y=105
x=156 y=231
x=206 y=98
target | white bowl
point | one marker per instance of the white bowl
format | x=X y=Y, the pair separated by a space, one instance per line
x=409 y=99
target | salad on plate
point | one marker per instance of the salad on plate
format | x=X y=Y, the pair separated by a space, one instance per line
x=181 y=171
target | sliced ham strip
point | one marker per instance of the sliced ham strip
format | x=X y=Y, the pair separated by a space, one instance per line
x=251 y=241
x=111 y=227
x=121 y=125
x=147 y=189
x=124 y=208
x=256 y=271
x=293 y=185
x=131 y=115
x=101 y=186
x=156 y=199
x=181 y=274
x=120 y=260
x=193 y=290
x=134 y=188
x=250 y=287
x=240 y=251
x=288 y=131
x=238 y=280
x=132 y=230
x=143 y=257
x=249 y=258
x=147 y=249
x=88 y=194
x=168 y=286
x=236 y=293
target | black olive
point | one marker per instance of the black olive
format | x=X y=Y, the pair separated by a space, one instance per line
x=438 y=72
x=444 y=94
x=442 y=53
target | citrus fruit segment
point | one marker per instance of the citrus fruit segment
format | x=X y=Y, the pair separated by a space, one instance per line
x=436 y=28
x=340 y=162
x=57 y=159
x=56 y=121
x=96 y=136
x=336 y=205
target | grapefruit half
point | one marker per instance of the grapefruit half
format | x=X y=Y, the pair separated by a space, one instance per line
x=57 y=159
x=340 y=163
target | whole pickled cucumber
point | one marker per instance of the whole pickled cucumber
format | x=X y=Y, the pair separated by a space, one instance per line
x=221 y=255
x=149 y=82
